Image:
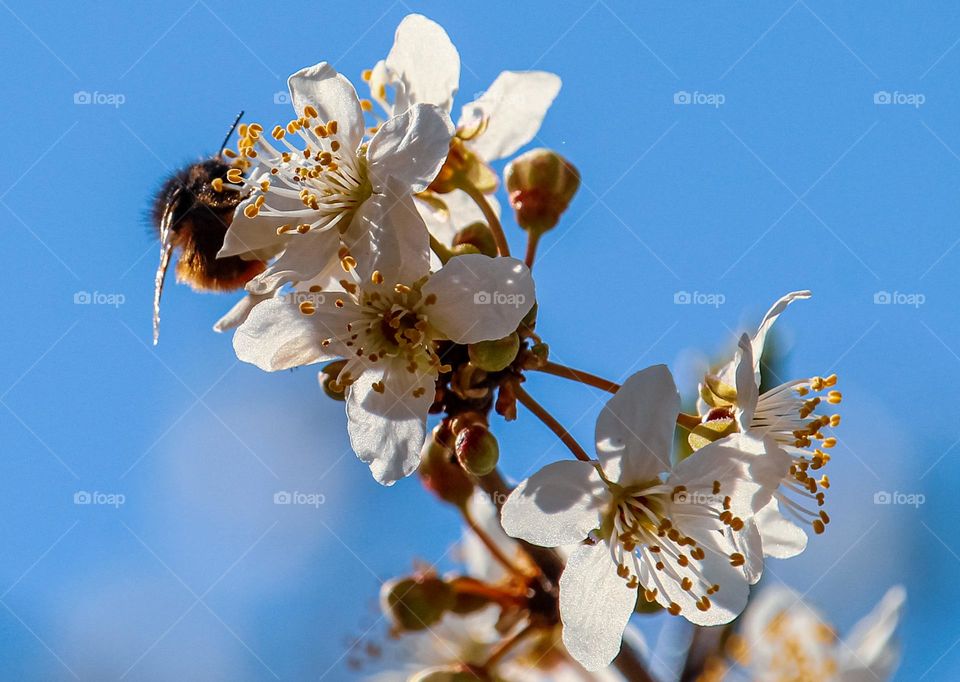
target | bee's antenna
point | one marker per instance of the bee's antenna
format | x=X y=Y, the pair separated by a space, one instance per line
x=236 y=122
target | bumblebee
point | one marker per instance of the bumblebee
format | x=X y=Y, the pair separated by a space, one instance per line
x=191 y=213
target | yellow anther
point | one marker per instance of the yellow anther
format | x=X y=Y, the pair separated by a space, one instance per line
x=674 y=609
x=367 y=74
x=308 y=308
x=303 y=228
x=835 y=420
x=818 y=527
x=310 y=112
x=737 y=559
x=217 y=184
x=278 y=133
x=834 y=397
x=829 y=442
x=251 y=211
x=235 y=175
x=332 y=127
x=366 y=105
x=378 y=387
x=376 y=277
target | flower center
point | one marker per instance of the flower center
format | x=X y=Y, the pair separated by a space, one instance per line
x=647 y=535
x=313 y=181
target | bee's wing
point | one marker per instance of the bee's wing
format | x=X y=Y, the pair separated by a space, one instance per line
x=166 y=249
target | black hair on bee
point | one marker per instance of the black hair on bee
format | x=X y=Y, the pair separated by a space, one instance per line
x=192 y=212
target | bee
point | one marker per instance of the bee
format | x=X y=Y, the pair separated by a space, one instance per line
x=191 y=213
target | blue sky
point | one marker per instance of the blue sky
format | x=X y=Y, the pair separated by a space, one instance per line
x=819 y=150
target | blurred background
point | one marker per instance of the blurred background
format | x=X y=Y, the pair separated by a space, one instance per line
x=729 y=154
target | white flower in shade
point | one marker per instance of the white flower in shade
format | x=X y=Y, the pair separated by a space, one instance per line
x=790 y=414
x=385 y=324
x=423 y=67
x=654 y=530
x=783 y=639
x=316 y=182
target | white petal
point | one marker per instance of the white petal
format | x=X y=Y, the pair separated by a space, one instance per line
x=515 y=105
x=410 y=147
x=304 y=258
x=479 y=298
x=460 y=212
x=870 y=647
x=748 y=391
x=238 y=313
x=727 y=373
x=595 y=605
x=334 y=98
x=634 y=433
x=387 y=234
x=387 y=428
x=749 y=543
x=276 y=335
x=256 y=238
x=781 y=537
x=558 y=505
x=726 y=604
x=425 y=62
x=761 y=336
x=749 y=470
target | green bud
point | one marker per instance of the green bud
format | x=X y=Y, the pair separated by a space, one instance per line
x=328 y=379
x=493 y=356
x=416 y=603
x=541 y=184
x=477 y=450
x=443 y=476
x=478 y=235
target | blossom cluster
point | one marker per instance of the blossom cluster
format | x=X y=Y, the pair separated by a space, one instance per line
x=387 y=263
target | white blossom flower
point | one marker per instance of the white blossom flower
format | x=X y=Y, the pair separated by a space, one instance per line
x=783 y=639
x=731 y=399
x=316 y=182
x=385 y=324
x=423 y=67
x=652 y=527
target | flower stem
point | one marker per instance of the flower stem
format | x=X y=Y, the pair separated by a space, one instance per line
x=527 y=401
x=684 y=420
x=533 y=240
x=492 y=546
x=579 y=375
x=442 y=252
x=506 y=646
x=492 y=220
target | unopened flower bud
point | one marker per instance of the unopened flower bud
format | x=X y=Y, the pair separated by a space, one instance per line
x=416 y=603
x=442 y=475
x=541 y=184
x=495 y=355
x=477 y=450
x=328 y=379
x=478 y=235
